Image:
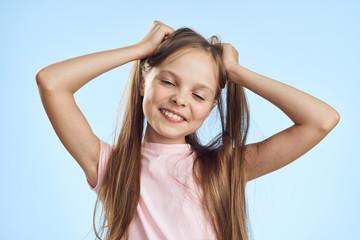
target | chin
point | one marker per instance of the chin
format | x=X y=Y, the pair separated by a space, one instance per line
x=173 y=136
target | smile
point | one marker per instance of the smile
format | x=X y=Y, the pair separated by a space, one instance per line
x=172 y=115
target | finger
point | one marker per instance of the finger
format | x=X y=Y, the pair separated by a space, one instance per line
x=157 y=22
x=222 y=45
x=169 y=30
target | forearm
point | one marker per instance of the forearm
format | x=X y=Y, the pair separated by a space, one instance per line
x=299 y=106
x=70 y=75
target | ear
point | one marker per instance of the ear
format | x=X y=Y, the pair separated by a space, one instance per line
x=214 y=104
x=142 y=86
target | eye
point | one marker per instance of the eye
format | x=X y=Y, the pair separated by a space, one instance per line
x=199 y=97
x=166 y=82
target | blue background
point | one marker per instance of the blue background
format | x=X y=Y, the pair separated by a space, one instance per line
x=310 y=45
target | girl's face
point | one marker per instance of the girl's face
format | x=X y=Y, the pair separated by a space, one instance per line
x=178 y=95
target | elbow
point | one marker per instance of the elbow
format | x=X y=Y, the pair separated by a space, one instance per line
x=39 y=77
x=331 y=121
x=43 y=78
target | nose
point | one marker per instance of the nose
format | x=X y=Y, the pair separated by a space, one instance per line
x=179 y=99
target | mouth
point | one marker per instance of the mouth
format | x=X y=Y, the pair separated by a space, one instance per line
x=173 y=115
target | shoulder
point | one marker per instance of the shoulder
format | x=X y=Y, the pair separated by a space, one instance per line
x=105 y=147
x=95 y=180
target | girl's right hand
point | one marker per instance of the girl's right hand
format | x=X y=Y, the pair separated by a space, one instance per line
x=154 y=36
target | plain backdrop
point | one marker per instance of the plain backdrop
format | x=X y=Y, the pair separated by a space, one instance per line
x=310 y=45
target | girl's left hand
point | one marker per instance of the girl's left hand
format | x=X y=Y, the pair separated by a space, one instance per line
x=230 y=56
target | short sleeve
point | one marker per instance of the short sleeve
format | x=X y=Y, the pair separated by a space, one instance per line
x=105 y=152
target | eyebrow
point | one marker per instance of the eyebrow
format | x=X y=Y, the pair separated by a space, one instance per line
x=199 y=85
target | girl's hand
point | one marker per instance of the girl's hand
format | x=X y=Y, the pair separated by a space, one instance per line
x=154 y=36
x=230 y=57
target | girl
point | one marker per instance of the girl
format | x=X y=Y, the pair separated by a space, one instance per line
x=161 y=183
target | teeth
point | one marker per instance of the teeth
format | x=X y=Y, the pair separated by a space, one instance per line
x=172 y=115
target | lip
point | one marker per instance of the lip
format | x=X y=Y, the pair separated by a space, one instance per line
x=174 y=112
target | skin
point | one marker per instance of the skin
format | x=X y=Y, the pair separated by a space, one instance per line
x=57 y=83
x=313 y=119
x=191 y=94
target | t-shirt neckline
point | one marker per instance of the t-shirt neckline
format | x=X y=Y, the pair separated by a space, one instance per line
x=159 y=147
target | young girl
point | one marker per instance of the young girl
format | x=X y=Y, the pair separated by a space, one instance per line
x=161 y=183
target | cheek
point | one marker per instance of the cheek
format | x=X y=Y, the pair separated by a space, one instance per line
x=155 y=95
x=200 y=112
x=154 y=98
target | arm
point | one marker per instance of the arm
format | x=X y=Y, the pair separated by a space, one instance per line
x=70 y=75
x=313 y=119
x=58 y=82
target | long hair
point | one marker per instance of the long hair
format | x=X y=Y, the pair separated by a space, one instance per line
x=218 y=166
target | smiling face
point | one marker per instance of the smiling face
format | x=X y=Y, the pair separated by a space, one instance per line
x=178 y=95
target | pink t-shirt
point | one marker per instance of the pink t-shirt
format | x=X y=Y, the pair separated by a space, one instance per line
x=166 y=209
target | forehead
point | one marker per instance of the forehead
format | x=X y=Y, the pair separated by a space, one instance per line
x=191 y=64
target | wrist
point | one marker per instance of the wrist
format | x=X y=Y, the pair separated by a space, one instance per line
x=231 y=70
x=142 y=50
x=145 y=48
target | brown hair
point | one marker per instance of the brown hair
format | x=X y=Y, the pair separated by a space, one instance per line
x=220 y=163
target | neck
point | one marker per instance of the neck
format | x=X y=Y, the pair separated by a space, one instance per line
x=152 y=136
